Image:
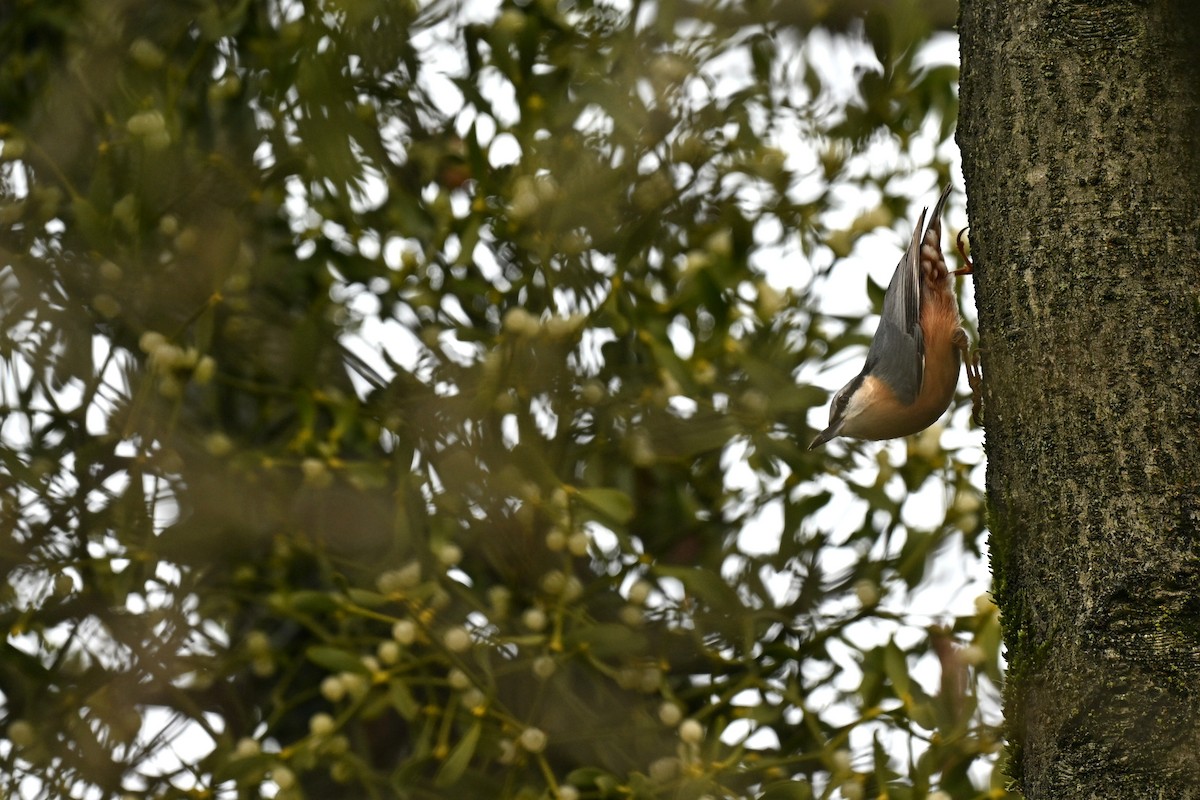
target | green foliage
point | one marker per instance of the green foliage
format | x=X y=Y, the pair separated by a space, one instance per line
x=373 y=420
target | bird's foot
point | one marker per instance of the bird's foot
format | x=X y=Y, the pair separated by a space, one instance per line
x=962 y=251
x=975 y=380
x=974 y=374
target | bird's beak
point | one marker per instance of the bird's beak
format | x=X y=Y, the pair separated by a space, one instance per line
x=824 y=436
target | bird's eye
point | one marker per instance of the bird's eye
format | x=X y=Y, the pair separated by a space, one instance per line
x=837 y=409
x=838 y=406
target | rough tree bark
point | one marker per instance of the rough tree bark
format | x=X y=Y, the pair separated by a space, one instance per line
x=1080 y=133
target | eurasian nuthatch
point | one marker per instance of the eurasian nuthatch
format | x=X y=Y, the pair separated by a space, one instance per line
x=912 y=364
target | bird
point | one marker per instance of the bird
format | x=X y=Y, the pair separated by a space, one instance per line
x=911 y=370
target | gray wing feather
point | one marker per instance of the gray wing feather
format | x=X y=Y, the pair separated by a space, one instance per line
x=897 y=353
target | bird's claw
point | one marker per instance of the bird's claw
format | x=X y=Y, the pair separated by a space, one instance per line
x=974 y=374
x=962 y=251
x=975 y=380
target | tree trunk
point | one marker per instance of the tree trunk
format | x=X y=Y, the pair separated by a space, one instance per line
x=1080 y=133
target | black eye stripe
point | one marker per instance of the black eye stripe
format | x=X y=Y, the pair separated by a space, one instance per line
x=842 y=398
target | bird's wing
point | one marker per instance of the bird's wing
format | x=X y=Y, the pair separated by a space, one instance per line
x=897 y=353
